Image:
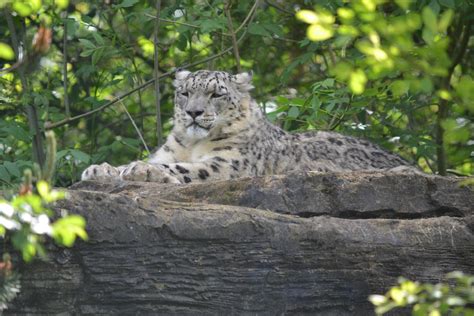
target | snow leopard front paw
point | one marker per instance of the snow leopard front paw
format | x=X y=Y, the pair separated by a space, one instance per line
x=142 y=171
x=100 y=172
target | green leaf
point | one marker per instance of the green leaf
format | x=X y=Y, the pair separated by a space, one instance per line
x=257 y=29
x=426 y=85
x=429 y=19
x=71 y=26
x=182 y=42
x=274 y=28
x=67 y=229
x=87 y=44
x=345 y=14
x=342 y=70
x=211 y=25
x=86 y=53
x=6 y=52
x=97 y=55
x=43 y=189
x=315 y=105
x=127 y=3
x=12 y=169
x=80 y=155
x=328 y=83
x=4 y=174
x=404 y=4
x=319 y=32
x=98 y=38
x=357 y=81
x=307 y=16
x=61 y=4
x=447 y=3
x=377 y=300
x=23 y=9
x=399 y=87
x=445 y=20
x=294 y=112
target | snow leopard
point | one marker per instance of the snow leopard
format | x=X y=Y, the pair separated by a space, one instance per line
x=220 y=133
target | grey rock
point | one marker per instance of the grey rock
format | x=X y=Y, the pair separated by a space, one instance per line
x=315 y=244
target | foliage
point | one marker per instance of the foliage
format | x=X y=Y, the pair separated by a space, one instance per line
x=375 y=69
x=25 y=220
x=406 y=59
x=429 y=299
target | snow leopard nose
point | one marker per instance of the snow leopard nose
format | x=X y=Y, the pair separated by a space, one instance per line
x=194 y=114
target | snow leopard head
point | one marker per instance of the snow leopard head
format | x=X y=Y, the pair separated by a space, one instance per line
x=208 y=100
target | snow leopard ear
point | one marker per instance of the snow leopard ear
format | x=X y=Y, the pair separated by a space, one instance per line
x=243 y=81
x=181 y=74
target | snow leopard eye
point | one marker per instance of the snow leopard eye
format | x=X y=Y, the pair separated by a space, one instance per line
x=184 y=94
x=216 y=95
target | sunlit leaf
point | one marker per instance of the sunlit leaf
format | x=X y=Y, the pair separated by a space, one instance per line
x=307 y=16
x=434 y=313
x=399 y=87
x=6 y=52
x=444 y=94
x=357 y=81
x=35 y=5
x=318 y=32
x=377 y=299
x=370 y=5
x=397 y=295
x=345 y=13
x=445 y=20
x=67 y=229
x=43 y=188
x=342 y=70
x=61 y=4
x=404 y=4
x=23 y=9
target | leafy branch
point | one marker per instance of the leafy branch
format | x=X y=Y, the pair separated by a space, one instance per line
x=65 y=121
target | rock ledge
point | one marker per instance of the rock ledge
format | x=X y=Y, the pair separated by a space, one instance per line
x=296 y=244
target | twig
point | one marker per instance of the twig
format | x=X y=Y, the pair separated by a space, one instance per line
x=146 y=84
x=249 y=17
x=279 y=8
x=156 y=72
x=429 y=164
x=173 y=22
x=32 y=114
x=65 y=83
x=244 y=22
x=231 y=30
x=135 y=126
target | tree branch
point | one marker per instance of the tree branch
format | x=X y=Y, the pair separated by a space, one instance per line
x=32 y=114
x=151 y=81
x=156 y=73
x=65 y=83
x=135 y=126
x=235 y=47
x=281 y=9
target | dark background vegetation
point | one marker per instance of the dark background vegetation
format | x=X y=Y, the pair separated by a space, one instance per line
x=396 y=72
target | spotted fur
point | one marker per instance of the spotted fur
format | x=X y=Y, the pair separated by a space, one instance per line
x=220 y=133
